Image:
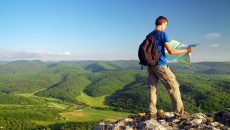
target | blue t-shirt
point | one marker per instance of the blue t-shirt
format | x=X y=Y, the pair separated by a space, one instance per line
x=161 y=39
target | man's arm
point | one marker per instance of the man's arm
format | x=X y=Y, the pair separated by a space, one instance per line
x=174 y=52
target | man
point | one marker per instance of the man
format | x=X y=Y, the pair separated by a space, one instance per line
x=161 y=71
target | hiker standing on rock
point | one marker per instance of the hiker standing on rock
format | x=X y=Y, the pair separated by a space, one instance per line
x=162 y=72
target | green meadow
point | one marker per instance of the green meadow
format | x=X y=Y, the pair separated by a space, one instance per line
x=80 y=94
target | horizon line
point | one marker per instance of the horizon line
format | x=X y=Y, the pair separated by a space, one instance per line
x=92 y=60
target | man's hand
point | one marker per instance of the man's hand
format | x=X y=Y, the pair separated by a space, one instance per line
x=189 y=50
x=175 y=52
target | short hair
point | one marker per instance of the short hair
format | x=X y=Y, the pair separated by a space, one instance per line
x=160 y=20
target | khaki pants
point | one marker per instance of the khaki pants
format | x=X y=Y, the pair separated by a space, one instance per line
x=164 y=74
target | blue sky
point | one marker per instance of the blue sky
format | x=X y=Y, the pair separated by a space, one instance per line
x=109 y=29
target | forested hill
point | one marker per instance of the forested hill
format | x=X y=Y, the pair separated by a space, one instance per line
x=204 y=67
x=95 y=66
x=205 y=86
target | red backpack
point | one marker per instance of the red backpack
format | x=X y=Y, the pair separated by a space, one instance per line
x=148 y=53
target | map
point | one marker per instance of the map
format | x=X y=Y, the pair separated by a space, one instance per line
x=180 y=58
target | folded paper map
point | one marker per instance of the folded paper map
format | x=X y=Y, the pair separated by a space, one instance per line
x=180 y=58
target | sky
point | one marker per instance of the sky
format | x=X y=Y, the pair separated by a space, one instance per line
x=109 y=29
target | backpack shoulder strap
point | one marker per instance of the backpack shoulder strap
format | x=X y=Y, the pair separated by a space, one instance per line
x=151 y=36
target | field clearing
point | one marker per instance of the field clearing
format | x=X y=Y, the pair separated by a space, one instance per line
x=92 y=101
x=69 y=112
x=49 y=102
x=88 y=114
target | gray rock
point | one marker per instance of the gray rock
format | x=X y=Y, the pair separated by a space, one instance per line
x=152 y=125
x=104 y=126
x=198 y=121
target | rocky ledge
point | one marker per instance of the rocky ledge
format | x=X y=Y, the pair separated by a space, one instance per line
x=171 y=121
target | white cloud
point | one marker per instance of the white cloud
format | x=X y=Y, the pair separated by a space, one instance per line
x=41 y=55
x=213 y=35
x=214 y=45
x=67 y=53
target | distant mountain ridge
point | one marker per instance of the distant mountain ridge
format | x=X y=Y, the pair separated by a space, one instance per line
x=4 y=62
x=204 y=67
x=97 y=66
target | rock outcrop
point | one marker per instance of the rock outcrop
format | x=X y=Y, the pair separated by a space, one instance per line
x=171 y=121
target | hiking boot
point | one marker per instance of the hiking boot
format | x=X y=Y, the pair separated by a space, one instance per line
x=186 y=113
x=183 y=116
x=151 y=116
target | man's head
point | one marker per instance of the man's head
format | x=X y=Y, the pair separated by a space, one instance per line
x=161 y=22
